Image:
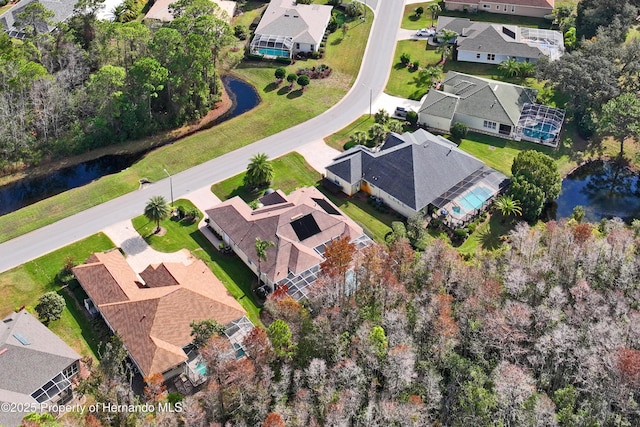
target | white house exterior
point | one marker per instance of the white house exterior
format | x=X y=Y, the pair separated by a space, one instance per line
x=489 y=43
x=287 y=28
x=533 y=8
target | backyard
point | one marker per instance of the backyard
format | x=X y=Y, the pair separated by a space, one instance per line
x=184 y=234
x=25 y=284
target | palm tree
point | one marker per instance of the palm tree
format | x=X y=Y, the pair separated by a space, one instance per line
x=435 y=9
x=259 y=171
x=446 y=37
x=429 y=75
x=156 y=210
x=508 y=206
x=527 y=69
x=510 y=67
x=261 y=253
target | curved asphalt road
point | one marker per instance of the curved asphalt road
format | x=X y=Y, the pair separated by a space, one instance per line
x=371 y=82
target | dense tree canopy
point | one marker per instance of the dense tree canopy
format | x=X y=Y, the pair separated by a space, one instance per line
x=93 y=83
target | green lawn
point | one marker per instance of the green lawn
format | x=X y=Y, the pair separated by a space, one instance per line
x=413 y=22
x=232 y=272
x=375 y=224
x=499 y=18
x=487 y=236
x=319 y=96
x=338 y=139
x=290 y=172
x=405 y=82
x=23 y=286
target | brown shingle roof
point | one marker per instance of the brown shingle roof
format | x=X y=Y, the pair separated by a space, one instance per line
x=154 y=322
x=274 y=223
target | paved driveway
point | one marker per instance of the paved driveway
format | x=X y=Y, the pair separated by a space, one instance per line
x=139 y=254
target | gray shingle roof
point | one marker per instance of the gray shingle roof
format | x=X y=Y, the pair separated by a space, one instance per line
x=303 y=23
x=62 y=9
x=489 y=99
x=500 y=39
x=26 y=368
x=440 y=104
x=416 y=171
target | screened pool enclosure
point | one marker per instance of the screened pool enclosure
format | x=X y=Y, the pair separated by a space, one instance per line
x=272 y=46
x=540 y=124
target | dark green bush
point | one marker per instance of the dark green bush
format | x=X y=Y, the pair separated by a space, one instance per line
x=459 y=130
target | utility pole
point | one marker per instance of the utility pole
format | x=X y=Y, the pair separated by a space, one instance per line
x=170 y=184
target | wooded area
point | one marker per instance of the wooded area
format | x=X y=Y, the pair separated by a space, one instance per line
x=93 y=83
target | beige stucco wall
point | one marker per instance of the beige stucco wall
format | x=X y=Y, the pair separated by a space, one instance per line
x=348 y=189
x=391 y=201
x=434 y=122
x=513 y=9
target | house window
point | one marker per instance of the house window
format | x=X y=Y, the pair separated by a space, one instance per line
x=505 y=7
x=477 y=56
x=491 y=56
x=498 y=7
x=71 y=370
x=513 y=9
x=486 y=6
x=297 y=45
x=489 y=125
x=312 y=47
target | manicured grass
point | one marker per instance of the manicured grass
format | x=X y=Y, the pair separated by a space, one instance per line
x=405 y=82
x=25 y=284
x=487 y=236
x=338 y=139
x=499 y=18
x=231 y=271
x=319 y=96
x=376 y=224
x=251 y=11
x=290 y=172
x=411 y=21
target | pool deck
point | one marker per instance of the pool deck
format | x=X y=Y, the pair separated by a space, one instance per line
x=458 y=215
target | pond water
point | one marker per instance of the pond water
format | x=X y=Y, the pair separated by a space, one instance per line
x=605 y=189
x=22 y=193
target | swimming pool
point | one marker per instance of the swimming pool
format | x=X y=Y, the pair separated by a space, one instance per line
x=472 y=200
x=544 y=131
x=273 y=52
x=201 y=368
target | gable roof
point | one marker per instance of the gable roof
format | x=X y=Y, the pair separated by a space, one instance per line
x=530 y=3
x=62 y=10
x=478 y=97
x=303 y=23
x=27 y=367
x=416 y=171
x=502 y=39
x=153 y=311
x=302 y=221
x=160 y=10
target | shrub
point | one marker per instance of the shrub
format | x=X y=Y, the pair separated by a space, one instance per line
x=460 y=233
x=472 y=227
x=254 y=56
x=240 y=32
x=405 y=58
x=381 y=116
x=459 y=130
x=283 y=60
x=50 y=306
x=354 y=9
x=280 y=73
x=303 y=81
x=419 y=10
x=412 y=117
x=304 y=1
x=333 y=25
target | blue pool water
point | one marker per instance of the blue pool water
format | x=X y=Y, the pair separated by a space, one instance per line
x=542 y=131
x=273 y=52
x=201 y=368
x=473 y=200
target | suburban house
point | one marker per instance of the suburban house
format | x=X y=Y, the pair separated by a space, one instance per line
x=159 y=11
x=35 y=366
x=62 y=10
x=300 y=225
x=490 y=43
x=419 y=173
x=287 y=28
x=533 y=8
x=152 y=310
x=491 y=107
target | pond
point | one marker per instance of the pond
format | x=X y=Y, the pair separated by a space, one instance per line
x=604 y=189
x=26 y=191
